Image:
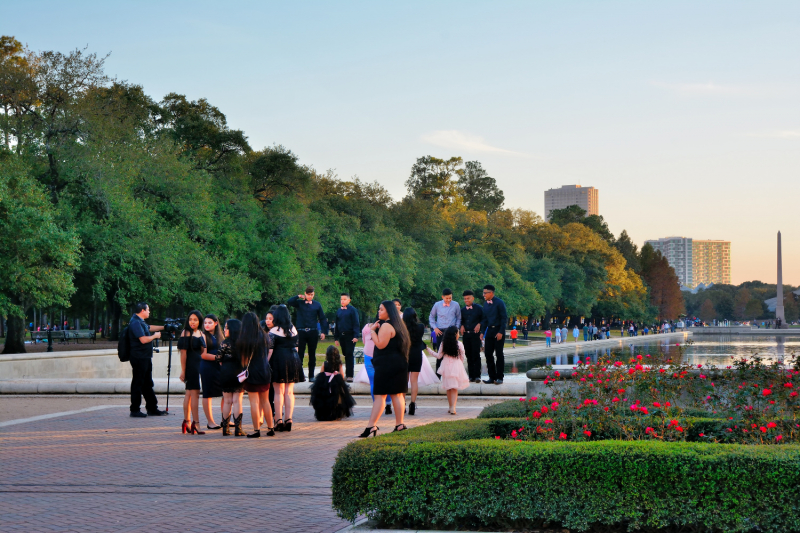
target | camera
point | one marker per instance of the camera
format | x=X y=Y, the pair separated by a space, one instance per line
x=172 y=326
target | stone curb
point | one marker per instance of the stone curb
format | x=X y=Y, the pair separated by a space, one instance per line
x=515 y=388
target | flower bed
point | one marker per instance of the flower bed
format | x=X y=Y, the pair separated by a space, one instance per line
x=458 y=475
x=652 y=398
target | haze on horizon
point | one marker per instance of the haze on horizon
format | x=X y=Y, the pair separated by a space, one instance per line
x=686 y=116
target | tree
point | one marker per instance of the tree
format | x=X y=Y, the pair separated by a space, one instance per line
x=740 y=304
x=754 y=309
x=576 y=214
x=665 y=292
x=479 y=190
x=37 y=257
x=275 y=171
x=436 y=180
x=707 y=312
x=629 y=251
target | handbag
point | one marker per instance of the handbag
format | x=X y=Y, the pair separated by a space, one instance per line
x=244 y=374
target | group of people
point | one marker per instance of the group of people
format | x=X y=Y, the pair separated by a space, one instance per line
x=265 y=359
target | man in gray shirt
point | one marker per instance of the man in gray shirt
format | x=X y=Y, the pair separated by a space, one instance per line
x=445 y=313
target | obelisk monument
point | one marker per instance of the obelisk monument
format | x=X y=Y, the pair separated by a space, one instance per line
x=779 y=302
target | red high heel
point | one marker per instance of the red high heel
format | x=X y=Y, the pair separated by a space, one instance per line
x=196 y=431
x=185 y=427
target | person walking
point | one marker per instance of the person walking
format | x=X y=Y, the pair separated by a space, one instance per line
x=496 y=318
x=514 y=334
x=286 y=366
x=311 y=326
x=471 y=319
x=585 y=332
x=444 y=314
x=575 y=333
x=564 y=333
x=210 y=369
x=232 y=388
x=140 y=342
x=390 y=358
x=192 y=347
x=454 y=377
x=348 y=329
x=547 y=336
x=558 y=335
x=330 y=395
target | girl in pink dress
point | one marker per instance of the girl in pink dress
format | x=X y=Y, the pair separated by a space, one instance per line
x=454 y=376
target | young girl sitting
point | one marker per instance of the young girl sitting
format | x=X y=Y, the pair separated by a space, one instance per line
x=330 y=395
x=454 y=377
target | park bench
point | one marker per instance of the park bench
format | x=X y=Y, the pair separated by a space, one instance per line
x=79 y=334
x=37 y=336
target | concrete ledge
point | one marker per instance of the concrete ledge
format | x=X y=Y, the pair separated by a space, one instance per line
x=514 y=386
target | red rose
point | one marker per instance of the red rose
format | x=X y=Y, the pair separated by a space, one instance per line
x=562 y=436
x=766 y=392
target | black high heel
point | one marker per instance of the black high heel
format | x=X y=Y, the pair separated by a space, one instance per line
x=288 y=424
x=270 y=432
x=369 y=431
x=412 y=408
x=400 y=427
x=279 y=425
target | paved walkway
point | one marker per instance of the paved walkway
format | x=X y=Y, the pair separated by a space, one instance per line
x=99 y=470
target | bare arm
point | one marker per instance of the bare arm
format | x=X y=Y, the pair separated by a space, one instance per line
x=382 y=337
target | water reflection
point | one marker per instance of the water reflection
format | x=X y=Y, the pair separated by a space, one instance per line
x=720 y=350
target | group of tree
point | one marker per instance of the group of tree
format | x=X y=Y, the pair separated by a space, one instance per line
x=109 y=197
x=745 y=302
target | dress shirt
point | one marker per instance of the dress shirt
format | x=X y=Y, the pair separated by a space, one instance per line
x=470 y=317
x=138 y=328
x=308 y=314
x=495 y=315
x=347 y=322
x=443 y=317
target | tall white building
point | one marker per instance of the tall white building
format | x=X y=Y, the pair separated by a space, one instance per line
x=587 y=198
x=679 y=254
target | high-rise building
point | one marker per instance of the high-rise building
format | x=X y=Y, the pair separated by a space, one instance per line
x=679 y=253
x=587 y=198
x=711 y=262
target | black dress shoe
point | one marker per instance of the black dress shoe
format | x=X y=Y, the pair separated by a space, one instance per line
x=488 y=381
x=476 y=380
x=138 y=414
x=156 y=412
x=498 y=382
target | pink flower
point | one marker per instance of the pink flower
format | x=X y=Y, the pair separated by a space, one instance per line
x=779 y=438
x=557 y=373
x=583 y=379
x=648 y=430
x=534 y=398
x=522 y=399
x=639 y=357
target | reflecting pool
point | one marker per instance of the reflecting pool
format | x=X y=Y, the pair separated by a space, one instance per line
x=720 y=350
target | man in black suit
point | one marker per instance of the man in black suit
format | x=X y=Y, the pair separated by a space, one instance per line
x=471 y=318
x=495 y=318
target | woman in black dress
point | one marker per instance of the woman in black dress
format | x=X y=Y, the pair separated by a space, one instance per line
x=416 y=330
x=232 y=388
x=286 y=366
x=253 y=347
x=330 y=395
x=209 y=368
x=390 y=359
x=192 y=347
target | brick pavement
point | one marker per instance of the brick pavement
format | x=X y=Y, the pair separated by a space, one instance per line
x=103 y=471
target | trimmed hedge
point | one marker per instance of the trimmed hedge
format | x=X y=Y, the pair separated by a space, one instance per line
x=518 y=409
x=455 y=474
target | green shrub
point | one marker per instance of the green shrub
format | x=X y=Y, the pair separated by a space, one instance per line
x=455 y=474
x=506 y=409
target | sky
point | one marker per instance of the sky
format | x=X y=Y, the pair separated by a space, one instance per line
x=685 y=115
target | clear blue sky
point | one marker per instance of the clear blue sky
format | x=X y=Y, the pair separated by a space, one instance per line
x=685 y=115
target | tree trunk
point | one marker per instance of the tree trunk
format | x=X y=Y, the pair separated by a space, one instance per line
x=15 y=340
x=116 y=319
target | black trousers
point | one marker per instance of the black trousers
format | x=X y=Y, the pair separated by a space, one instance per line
x=142 y=385
x=436 y=349
x=494 y=350
x=348 y=347
x=472 y=349
x=311 y=339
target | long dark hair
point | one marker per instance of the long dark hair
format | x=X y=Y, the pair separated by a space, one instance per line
x=412 y=324
x=251 y=338
x=400 y=329
x=187 y=329
x=283 y=320
x=218 y=333
x=234 y=326
x=450 y=341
